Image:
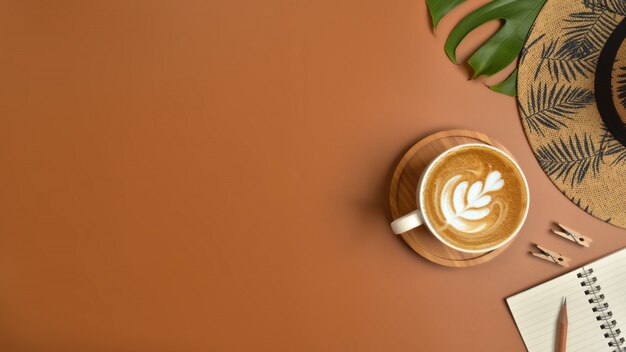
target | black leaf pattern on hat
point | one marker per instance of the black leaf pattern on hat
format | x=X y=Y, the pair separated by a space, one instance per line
x=529 y=45
x=552 y=107
x=612 y=147
x=570 y=160
x=615 y=6
x=588 y=31
x=586 y=207
x=565 y=62
x=578 y=201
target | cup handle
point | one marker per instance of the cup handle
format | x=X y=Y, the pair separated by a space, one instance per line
x=407 y=222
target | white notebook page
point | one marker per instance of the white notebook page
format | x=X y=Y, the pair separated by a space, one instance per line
x=536 y=310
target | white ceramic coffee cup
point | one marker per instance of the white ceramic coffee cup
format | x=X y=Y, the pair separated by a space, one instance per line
x=418 y=217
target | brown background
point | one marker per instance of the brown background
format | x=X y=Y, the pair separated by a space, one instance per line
x=213 y=176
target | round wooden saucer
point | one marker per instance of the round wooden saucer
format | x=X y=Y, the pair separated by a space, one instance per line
x=402 y=196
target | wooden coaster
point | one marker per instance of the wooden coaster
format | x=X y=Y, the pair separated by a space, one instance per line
x=403 y=189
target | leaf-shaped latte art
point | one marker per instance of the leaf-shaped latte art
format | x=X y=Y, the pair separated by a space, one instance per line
x=462 y=202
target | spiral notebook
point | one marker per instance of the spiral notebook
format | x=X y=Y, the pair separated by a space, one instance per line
x=596 y=308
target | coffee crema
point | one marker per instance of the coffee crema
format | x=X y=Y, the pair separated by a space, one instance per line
x=474 y=198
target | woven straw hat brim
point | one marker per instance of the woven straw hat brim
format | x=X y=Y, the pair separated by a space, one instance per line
x=558 y=109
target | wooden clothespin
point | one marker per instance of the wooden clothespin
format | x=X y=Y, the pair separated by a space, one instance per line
x=573 y=236
x=551 y=256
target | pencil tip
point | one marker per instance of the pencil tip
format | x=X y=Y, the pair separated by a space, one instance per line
x=564 y=300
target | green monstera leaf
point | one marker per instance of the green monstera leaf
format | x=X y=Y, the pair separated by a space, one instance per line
x=439 y=8
x=503 y=47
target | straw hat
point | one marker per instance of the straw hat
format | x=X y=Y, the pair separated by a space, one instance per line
x=572 y=101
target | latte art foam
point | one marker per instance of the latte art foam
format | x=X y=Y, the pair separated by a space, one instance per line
x=475 y=198
x=466 y=209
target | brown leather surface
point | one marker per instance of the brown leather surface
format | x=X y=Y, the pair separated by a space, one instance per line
x=214 y=175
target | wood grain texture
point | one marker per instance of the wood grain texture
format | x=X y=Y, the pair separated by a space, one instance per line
x=403 y=200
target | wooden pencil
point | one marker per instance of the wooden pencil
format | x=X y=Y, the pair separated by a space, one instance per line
x=561 y=327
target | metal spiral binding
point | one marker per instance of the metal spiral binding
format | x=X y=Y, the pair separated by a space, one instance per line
x=599 y=306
